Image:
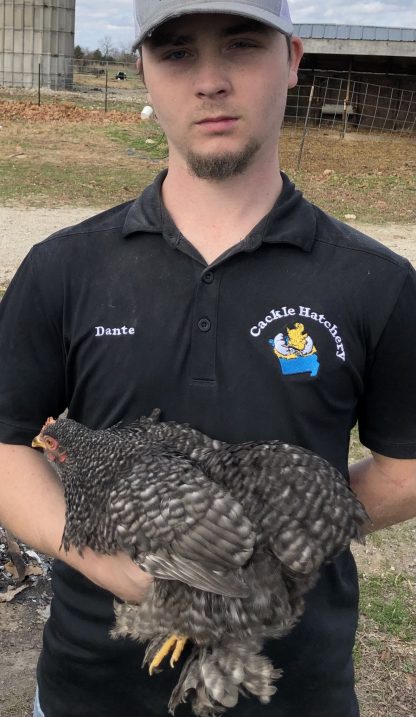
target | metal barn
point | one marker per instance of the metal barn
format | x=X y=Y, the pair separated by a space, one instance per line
x=363 y=77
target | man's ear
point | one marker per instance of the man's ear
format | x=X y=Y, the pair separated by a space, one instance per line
x=139 y=65
x=140 y=72
x=295 y=58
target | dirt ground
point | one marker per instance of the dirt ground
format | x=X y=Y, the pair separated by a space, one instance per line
x=22 y=620
x=21 y=625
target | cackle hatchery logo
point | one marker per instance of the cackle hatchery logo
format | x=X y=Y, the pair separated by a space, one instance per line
x=293 y=346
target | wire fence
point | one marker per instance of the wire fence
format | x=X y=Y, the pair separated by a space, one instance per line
x=329 y=102
x=351 y=105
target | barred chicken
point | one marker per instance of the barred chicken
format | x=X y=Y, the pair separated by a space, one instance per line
x=234 y=536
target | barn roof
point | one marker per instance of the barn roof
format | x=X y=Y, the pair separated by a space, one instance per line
x=323 y=31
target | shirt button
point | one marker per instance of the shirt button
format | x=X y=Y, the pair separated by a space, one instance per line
x=204 y=325
x=208 y=277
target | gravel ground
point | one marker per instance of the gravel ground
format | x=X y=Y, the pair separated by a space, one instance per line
x=20 y=228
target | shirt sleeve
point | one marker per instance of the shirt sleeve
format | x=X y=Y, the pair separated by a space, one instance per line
x=387 y=411
x=32 y=362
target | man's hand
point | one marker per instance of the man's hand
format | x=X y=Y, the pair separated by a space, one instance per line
x=116 y=573
x=387 y=489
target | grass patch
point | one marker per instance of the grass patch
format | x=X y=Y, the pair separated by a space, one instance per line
x=80 y=184
x=355 y=176
x=385 y=192
x=385 y=648
x=150 y=142
x=388 y=600
x=371 y=198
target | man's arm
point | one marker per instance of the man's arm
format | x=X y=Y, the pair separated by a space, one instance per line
x=32 y=506
x=387 y=489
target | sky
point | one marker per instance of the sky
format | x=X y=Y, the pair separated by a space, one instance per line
x=96 y=20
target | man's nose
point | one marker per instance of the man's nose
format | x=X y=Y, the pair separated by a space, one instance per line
x=211 y=79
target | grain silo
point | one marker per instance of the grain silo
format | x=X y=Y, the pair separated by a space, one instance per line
x=33 y=34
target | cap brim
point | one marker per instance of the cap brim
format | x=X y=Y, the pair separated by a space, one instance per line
x=207 y=6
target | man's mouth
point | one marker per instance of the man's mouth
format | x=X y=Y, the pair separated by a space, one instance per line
x=220 y=118
x=222 y=122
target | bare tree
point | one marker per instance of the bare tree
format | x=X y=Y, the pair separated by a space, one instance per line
x=106 y=47
x=123 y=53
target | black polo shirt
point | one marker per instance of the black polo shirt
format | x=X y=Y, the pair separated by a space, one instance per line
x=295 y=333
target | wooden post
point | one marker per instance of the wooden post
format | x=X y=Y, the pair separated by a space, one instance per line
x=305 y=127
x=347 y=101
x=106 y=90
x=39 y=79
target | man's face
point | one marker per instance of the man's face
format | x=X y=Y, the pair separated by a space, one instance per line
x=219 y=84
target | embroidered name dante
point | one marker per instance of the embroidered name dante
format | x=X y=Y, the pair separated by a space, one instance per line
x=118 y=331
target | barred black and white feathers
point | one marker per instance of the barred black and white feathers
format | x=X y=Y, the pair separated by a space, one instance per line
x=124 y=492
x=233 y=534
x=300 y=500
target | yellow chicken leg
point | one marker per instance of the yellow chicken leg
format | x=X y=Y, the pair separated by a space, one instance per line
x=174 y=644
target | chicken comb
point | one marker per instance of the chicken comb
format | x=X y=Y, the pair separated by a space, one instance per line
x=49 y=422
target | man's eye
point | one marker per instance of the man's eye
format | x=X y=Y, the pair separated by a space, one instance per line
x=176 y=55
x=243 y=44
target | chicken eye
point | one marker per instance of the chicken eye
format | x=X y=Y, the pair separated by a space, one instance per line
x=50 y=442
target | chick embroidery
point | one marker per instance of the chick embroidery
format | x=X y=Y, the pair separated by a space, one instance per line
x=234 y=536
x=296 y=351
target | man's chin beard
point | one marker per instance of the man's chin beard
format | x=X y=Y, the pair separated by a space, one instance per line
x=216 y=167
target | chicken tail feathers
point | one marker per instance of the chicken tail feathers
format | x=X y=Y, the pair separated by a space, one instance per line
x=213 y=678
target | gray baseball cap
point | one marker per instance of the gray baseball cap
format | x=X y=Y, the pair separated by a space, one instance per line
x=151 y=13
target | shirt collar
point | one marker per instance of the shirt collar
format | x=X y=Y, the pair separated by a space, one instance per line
x=291 y=220
x=147 y=213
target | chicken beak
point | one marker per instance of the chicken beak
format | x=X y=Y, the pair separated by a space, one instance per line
x=38 y=442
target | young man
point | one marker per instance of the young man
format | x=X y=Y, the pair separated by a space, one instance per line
x=225 y=298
